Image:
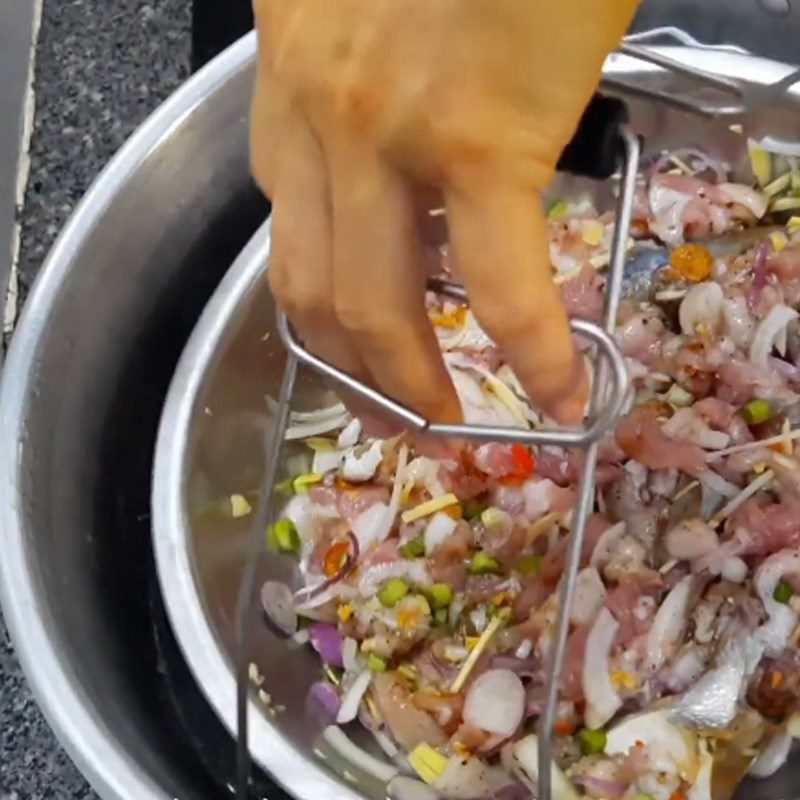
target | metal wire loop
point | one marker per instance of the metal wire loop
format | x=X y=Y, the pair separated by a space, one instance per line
x=614 y=407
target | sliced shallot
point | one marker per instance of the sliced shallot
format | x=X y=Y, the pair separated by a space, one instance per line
x=327 y=641
x=352 y=698
x=602 y=699
x=278 y=604
x=775 y=632
x=495 y=702
x=589 y=596
x=669 y=624
x=771 y=332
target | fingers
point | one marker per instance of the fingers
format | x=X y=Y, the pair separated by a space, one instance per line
x=379 y=283
x=300 y=273
x=499 y=237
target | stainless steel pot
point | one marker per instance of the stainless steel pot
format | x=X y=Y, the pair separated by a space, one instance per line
x=82 y=392
x=81 y=396
x=211 y=445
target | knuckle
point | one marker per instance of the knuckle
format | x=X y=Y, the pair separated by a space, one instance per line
x=302 y=300
x=506 y=324
x=382 y=323
x=356 y=316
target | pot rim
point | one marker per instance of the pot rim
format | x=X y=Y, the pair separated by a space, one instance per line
x=89 y=742
x=177 y=571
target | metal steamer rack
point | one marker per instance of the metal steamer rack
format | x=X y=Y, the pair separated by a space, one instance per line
x=604 y=147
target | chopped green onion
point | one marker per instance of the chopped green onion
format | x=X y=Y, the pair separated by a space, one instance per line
x=333 y=675
x=394 y=591
x=760 y=163
x=408 y=671
x=283 y=537
x=557 y=210
x=472 y=509
x=778 y=185
x=643 y=796
x=441 y=616
x=529 y=565
x=301 y=483
x=285 y=487
x=503 y=612
x=783 y=592
x=592 y=742
x=239 y=506
x=756 y=412
x=440 y=595
x=493 y=516
x=484 y=564
x=376 y=663
x=785 y=204
x=678 y=396
x=413 y=549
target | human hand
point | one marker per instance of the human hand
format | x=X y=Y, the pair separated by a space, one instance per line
x=363 y=110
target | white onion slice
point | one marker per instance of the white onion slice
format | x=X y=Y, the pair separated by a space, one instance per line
x=437 y=531
x=278 y=603
x=701 y=787
x=424 y=471
x=369 y=527
x=386 y=744
x=375 y=524
x=302 y=512
x=773 y=756
x=716 y=483
x=362 y=468
x=669 y=624
x=352 y=698
x=753 y=200
x=329 y=412
x=703 y=305
x=734 y=569
x=538 y=496
x=668 y=745
x=358 y=757
x=315 y=423
x=687 y=424
x=589 y=596
x=525 y=765
x=770 y=332
x=414 y=572
x=602 y=699
x=349 y=436
x=495 y=702
x=465 y=779
x=690 y=538
x=350 y=655
x=775 y=632
x=402 y=787
x=606 y=543
x=739 y=323
x=509 y=407
x=326 y=461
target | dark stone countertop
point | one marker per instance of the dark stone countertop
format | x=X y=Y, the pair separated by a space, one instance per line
x=102 y=67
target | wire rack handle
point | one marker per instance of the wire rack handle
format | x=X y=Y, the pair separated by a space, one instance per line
x=613 y=409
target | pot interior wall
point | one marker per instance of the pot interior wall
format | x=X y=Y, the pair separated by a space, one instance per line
x=135 y=287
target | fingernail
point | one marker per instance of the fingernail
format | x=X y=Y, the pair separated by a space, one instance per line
x=572 y=409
